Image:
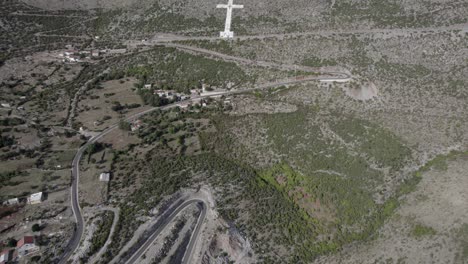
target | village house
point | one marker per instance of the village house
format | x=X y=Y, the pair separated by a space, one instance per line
x=5 y=105
x=26 y=246
x=117 y=51
x=95 y=53
x=13 y=201
x=136 y=125
x=35 y=198
x=68 y=53
x=160 y=93
x=194 y=92
x=197 y=101
x=104 y=177
x=148 y=86
x=6 y=256
x=184 y=106
x=184 y=97
x=73 y=58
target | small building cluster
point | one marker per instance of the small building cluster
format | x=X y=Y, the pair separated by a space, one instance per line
x=34 y=198
x=24 y=247
x=74 y=55
x=136 y=125
x=70 y=56
x=170 y=95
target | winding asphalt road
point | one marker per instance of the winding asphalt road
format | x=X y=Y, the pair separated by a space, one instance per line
x=79 y=228
x=163 y=224
x=194 y=238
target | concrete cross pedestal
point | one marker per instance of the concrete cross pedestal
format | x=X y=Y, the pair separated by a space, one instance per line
x=227 y=33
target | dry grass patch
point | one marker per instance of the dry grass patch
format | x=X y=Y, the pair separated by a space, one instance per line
x=97 y=114
x=92 y=190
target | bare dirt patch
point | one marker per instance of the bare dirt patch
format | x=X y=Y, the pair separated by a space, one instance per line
x=364 y=92
x=120 y=139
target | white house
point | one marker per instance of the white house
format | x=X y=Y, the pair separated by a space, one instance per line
x=104 y=177
x=6 y=105
x=13 y=201
x=194 y=92
x=147 y=86
x=6 y=256
x=69 y=53
x=35 y=198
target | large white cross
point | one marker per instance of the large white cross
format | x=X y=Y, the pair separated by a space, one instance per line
x=227 y=33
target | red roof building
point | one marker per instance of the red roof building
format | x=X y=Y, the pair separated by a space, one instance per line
x=26 y=246
x=25 y=240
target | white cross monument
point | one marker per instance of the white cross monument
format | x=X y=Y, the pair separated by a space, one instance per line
x=227 y=33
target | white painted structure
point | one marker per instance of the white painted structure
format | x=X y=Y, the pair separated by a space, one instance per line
x=13 y=201
x=104 y=177
x=35 y=198
x=5 y=256
x=227 y=33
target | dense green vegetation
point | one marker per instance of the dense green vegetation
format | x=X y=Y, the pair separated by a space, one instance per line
x=331 y=191
x=168 y=68
x=5 y=177
x=6 y=141
x=319 y=198
x=161 y=126
x=374 y=142
x=104 y=224
x=14 y=121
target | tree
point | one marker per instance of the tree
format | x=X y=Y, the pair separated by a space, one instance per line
x=11 y=242
x=36 y=228
x=181 y=140
x=124 y=125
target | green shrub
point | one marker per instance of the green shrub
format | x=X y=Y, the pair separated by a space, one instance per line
x=420 y=230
